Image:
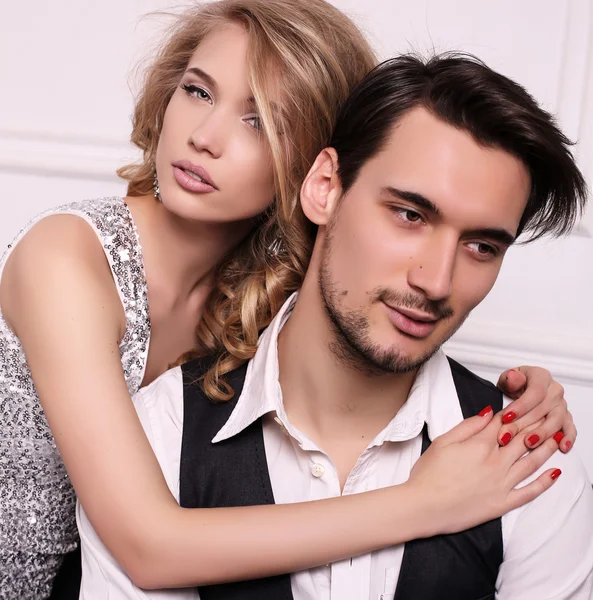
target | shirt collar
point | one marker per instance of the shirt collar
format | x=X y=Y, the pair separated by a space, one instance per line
x=261 y=391
x=432 y=400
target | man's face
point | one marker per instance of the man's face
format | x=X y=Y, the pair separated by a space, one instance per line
x=417 y=242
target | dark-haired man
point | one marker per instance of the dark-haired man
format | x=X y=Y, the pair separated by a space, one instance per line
x=433 y=171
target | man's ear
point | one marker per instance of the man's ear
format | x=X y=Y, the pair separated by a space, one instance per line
x=321 y=189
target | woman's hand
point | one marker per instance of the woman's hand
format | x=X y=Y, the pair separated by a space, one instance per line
x=539 y=405
x=467 y=478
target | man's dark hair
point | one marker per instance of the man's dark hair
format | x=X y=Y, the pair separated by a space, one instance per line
x=463 y=92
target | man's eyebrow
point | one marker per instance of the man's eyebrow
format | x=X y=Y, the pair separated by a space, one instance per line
x=500 y=235
x=203 y=75
x=415 y=198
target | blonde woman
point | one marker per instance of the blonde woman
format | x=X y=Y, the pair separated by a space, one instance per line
x=98 y=298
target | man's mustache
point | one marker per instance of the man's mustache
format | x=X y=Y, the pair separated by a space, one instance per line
x=437 y=309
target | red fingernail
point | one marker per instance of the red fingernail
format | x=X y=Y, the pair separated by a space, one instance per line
x=485 y=411
x=509 y=417
x=558 y=437
x=568 y=445
x=555 y=474
x=506 y=438
x=532 y=440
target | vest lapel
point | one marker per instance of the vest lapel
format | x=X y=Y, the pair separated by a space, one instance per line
x=232 y=472
x=461 y=566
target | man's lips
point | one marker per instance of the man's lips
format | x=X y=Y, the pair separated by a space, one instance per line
x=416 y=315
x=410 y=322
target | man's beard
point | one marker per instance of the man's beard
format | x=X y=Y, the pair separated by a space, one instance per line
x=352 y=343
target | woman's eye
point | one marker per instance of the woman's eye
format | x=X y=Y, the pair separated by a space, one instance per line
x=255 y=122
x=196 y=92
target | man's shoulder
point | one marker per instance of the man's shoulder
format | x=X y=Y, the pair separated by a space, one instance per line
x=194 y=386
x=474 y=392
x=462 y=373
x=554 y=531
x=193 y=371
x=167 y=383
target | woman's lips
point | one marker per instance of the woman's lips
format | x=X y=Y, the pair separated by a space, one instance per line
x=192 y=177
x=190 y=183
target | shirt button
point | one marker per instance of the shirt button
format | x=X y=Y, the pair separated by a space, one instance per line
x=317 y=470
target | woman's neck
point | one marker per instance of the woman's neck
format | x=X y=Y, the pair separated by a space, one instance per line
x=181 y=255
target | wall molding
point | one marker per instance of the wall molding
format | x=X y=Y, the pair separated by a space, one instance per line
x=575 y=93
x=495 y=346
x=63 y=154
x=585 y=139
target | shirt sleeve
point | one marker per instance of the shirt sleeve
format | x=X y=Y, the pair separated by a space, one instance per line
x=160 y=410
x=548 y=543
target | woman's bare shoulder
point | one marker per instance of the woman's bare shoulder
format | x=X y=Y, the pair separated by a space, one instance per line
x=57 y=255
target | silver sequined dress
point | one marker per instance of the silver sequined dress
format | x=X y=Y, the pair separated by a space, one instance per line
x=37 y=502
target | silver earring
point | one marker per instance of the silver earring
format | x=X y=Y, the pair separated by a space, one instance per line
x=276 y=247
x=157 y=189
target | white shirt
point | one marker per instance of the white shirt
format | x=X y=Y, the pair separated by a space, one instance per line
x=548 y=543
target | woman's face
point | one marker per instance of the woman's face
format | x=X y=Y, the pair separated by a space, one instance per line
x=213 y=161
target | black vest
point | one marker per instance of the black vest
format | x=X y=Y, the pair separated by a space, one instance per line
x=234 y=472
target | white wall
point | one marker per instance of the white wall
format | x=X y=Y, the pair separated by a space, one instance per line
x=64 y=122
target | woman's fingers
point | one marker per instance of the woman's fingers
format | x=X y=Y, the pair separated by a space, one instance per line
x=549 y=426
x=512 y=383
x=558 y=423
x=516 y=448
x=473 y=479
x=570 y=433
x=534 y=404
x=527 y=493
x=467 y=428
x=532 y=461
x=543 y=409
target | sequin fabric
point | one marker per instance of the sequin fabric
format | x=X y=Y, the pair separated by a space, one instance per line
x=37 y=502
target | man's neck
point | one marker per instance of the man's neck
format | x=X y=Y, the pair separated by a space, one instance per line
x=340 y=407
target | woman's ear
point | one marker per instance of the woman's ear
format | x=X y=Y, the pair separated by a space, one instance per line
x=321 y=189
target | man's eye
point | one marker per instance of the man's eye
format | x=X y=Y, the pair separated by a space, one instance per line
x=406 y=214
x=483 y=250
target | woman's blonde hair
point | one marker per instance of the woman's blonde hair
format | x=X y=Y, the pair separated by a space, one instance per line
x=315 y=55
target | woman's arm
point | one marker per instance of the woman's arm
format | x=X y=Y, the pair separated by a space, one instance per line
x=59 y=297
